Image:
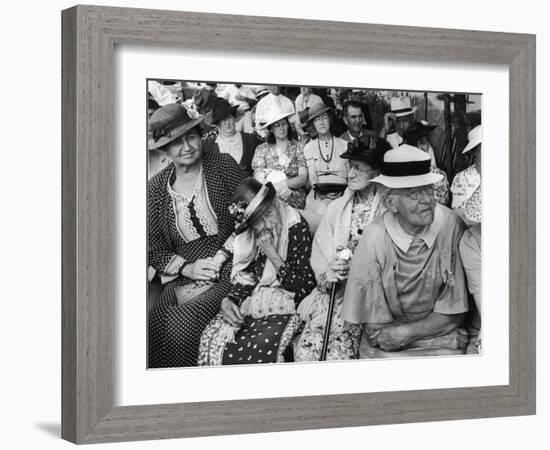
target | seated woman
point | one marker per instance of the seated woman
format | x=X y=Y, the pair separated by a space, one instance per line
x=470 y=252
x=466 y=182
x=227 y=139
x=270 y=276
x=327 y=172
x=281 y=160
x=406 y=283
x=337 y=235
x=188 y=223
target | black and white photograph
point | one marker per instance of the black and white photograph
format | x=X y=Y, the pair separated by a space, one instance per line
x=311 y=223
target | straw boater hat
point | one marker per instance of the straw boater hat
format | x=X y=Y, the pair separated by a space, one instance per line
x=401 y=106
x=169 y=123
x=251 y=199
x=261 y=92
x=274 y=115
x=406 y=167
x=221 y=110
x=474 y=139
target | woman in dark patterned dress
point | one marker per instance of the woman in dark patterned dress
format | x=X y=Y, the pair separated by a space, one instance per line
x=271 y=275
x=189 y=236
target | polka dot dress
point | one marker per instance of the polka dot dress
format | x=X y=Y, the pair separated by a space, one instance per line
x=174 y=329
x=266 y=339
x=258 y=341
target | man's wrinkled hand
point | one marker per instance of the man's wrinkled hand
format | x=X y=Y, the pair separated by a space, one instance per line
x=390 y=338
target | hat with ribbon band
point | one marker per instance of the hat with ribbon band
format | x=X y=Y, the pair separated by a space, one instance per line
x=169 y=123
x=406 y=167
x=401 y=106
x=252 y=199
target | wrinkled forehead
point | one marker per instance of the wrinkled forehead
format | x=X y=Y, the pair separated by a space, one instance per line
x=358 y=164
x=409 y=190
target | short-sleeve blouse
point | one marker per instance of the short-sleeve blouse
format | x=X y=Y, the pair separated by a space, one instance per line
x=335 y=170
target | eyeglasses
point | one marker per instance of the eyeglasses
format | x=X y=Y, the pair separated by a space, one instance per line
x=415 y=194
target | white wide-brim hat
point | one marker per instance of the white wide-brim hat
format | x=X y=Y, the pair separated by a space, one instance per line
x=406 y=167
x=401 y=106
x=474 y=138
x=274 y=116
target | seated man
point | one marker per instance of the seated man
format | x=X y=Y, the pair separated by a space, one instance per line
x=354 y=118
x=406 y=283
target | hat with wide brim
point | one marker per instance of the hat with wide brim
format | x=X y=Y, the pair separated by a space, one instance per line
x=368 y=148
x=254 y=199
x=316 y=110
x=222 y=109
x=169 y=123
x=303 y=115
x=401 y=106
x=406 y=167
x=474 y=139
x=273 y=116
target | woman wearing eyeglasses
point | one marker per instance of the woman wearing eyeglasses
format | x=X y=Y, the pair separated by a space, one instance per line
x=189 y=230
x=406 y=284
x=333 y=246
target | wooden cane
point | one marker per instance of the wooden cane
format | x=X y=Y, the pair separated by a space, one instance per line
x=330 y=311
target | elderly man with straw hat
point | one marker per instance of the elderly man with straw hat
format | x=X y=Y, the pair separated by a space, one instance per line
x=406 y=283
x=400 y=117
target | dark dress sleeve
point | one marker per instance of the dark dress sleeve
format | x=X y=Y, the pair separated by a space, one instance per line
x=159 y=248
x=250 y=143
x=240 y=292
x=296 y=274
x=231 y=173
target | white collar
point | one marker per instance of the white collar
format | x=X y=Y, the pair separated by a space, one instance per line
x=404 y=240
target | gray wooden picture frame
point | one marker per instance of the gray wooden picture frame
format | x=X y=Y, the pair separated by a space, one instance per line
x=90 y=34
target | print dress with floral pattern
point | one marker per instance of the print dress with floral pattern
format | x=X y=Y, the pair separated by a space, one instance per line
x=344 y=338
x=267 y=158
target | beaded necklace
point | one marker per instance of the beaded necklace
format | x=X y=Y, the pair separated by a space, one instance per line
x=329 y=159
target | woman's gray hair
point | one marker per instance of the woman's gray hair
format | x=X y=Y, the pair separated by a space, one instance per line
x=383 y=191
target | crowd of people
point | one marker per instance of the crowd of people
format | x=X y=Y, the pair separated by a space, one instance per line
x=284 y=230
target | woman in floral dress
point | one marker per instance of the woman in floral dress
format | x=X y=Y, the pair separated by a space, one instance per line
x=281 y=160
x=334 y=243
